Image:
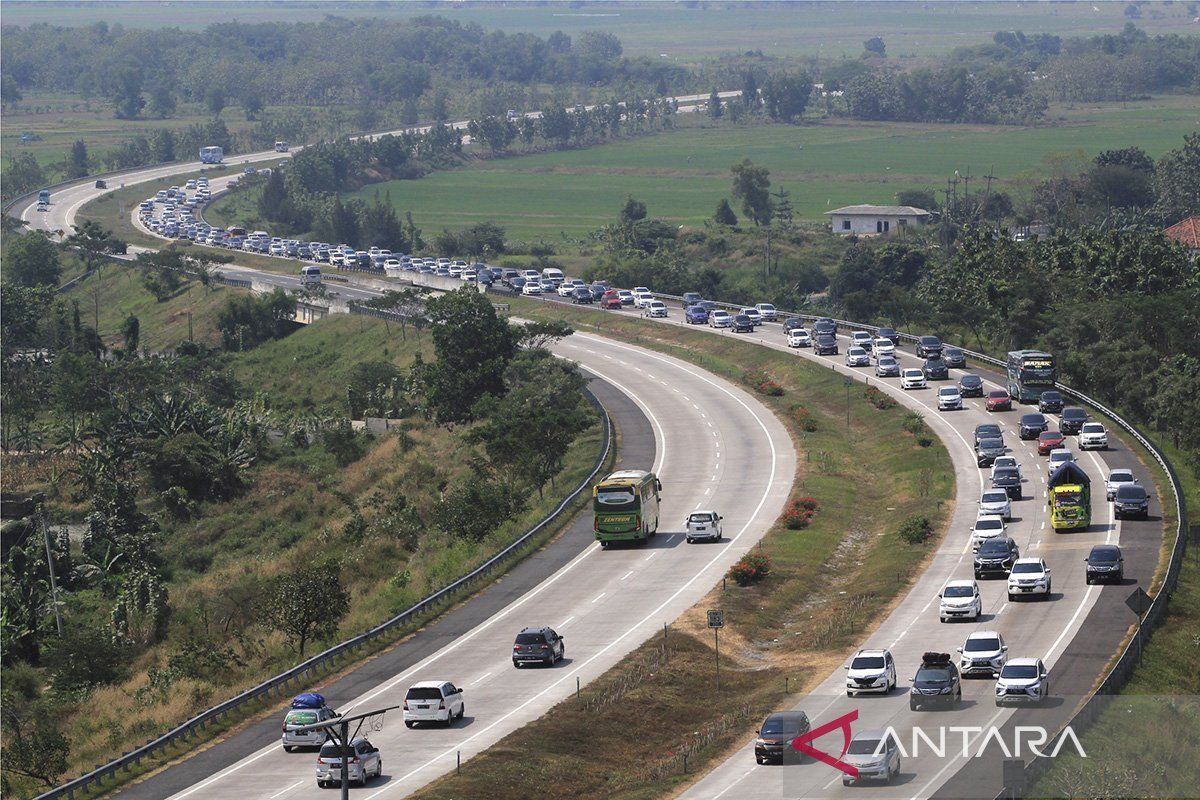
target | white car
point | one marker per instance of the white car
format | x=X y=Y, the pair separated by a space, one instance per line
x=862 y=339
x=960 y=600
x=703 y=525
x=983 y=652
x=1029 y=576
x=719 y=318
x=753 y=314
x=870 y=672
x=1116 y=479
x=565 y=289
x=1057 y=459
x=1093 y=436
x=766 y=311
x=987 y=526
x=433 y=701
x=655 y=308
x=995 y=502
x=1005 y=461
x=798 y=337
x=949 y=399
x=628 y=298
x=642 y=299
x=1022 y=680
x=857 y=357
x=883 y=347
x=912 y=379
x=531 y=288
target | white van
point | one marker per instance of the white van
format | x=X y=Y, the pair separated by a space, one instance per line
x=552 y=274
x=310 y=275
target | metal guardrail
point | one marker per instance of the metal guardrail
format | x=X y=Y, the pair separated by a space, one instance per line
x=278 y=685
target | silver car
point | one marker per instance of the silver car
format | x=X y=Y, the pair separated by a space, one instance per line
x=703 y=525
x=996 y=502
x=363 y=762
x=875 y=755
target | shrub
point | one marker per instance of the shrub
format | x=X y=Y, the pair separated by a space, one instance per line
x=751 y=569
x=916 y=529
x=925 y=441
x=804 y=418
x=878 y=399
x=770 y=388
x=914 y=423
x=755 y=377
x=800 y=513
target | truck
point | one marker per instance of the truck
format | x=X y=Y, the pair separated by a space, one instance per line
x=44 y=196
x=211 y=155
x=1069 y=495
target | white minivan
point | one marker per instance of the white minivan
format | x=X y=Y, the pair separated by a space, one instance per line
x=440 y=702
x=553 y=274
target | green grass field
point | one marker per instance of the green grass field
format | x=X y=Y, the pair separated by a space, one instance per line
x=674 y=30
x=682 y=175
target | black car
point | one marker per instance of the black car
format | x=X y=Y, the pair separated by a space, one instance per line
x=742 y=324
x=954 y=357
x=582 y=294
x=996 y=555
x=889 y=333
x=1105 y=563
x=988 y=430
x=935 y=369
x=937 y=683
x=988 y=450
x=774 y=741
x=1008 y=479
x=1073 y=418
x=538 y=645
x=597 y=291
x=824 y=326
x=708 y=305
x=791 y=323
x=517 y=283
x=928 y=346
x=691 y=298
x=1131 y=500
x=826 y=346
x=970 y=386
x=1050 y=402
x=1032 y=425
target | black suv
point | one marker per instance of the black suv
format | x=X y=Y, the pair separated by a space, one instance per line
x=826 y=346
x=791 y=323
x=1131 y=500
x=582 y=294
x=1008 y=479
x=988 y=450
x=996 y=555
x=955 y=357
x=889 y=333
x=1032 y=425
x=970 y=386
x=1050 y=402
x=1072 y=420
x=1105 y=563
x=937 y=683
x=691 y=298
x=742 y=324
x=824 y=326
x=988 y=430
x=542 y=645
x=929 y=346
x=774 y=742
x=935 y=369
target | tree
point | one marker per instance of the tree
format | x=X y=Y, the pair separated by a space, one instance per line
x=633 y=211
x=1132 y=11
x=77 y=163
x=214 y=100
x=539 y=334
x=252 y=102
x=9 y=92
x=131 y=333
x=1177 y=180
x=162 y=102
x=752 y=186
x=31 y=260
x=140 y=613
x=875 y=46
x=410 y=113
x=724 y=214
x=786 y=96
x=162 y=145
x=306 y=603
x=556 y=124
x=714 y=105
x=36 y=748
x=22 y=174
x=782 y=205
x=750 y=97
x=94 y=242
x=917 y=198
x=127 y=94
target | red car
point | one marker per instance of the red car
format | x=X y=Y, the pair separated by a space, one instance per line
x=611 y=299
x=998 y=401
x=1049 y=440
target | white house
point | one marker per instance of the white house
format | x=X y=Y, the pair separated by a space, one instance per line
x=875 y=219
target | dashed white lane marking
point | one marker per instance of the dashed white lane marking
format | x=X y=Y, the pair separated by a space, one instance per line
x=647 y=558
x=626 y=575
x=481 y=677
x=285 y=791
x=563 y=624
x=597 y=597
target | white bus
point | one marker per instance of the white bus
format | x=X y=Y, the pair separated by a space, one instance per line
x=310 y=275
x=211 y=155
x=281 y=147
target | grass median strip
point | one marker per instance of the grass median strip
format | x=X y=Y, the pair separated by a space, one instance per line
x=830 y=580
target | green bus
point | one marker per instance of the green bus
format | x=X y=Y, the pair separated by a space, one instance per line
x=1030 y=372
x=626 y=506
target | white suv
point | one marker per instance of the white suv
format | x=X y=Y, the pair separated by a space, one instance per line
x=433 y=701
x=798 y=337
x=1116 y=479
x=912 y=379
x=1092 y=435
x=1023 y=680
x=960 y=600
x=984 y=652
x=703 y=525
x=1058 y=458
x=872 y=671
x=988 y=526
x=1029 y=576
x=949 y=399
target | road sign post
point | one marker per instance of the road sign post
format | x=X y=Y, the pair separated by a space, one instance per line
x=716 y=621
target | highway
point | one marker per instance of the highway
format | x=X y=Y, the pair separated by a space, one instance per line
x=680 y=401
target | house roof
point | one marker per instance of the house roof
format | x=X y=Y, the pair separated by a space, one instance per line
x=1186 y=232
x=880 y=211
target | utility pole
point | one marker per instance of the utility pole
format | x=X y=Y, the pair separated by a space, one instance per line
x=768 y=249
x=190 y=337
x=50 y=568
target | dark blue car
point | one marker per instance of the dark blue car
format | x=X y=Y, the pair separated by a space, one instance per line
x=696 y=315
